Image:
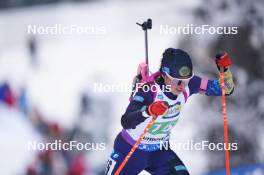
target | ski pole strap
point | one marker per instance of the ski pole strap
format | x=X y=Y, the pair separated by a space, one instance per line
x=228 y=81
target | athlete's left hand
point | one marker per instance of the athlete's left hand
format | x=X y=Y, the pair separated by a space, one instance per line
x=223 y=60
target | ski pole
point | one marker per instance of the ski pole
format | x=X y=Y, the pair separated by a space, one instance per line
x=132 y=150
x=145 y=26
x=222 y=79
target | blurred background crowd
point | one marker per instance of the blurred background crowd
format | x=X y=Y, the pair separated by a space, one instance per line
x=47 y=81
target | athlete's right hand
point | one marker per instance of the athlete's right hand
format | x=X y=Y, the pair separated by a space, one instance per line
x=158 y=108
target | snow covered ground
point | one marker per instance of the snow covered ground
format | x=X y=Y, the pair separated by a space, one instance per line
x=68 y=64
x=15 y=132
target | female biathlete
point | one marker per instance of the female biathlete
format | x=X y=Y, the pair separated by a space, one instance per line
x=176 y=72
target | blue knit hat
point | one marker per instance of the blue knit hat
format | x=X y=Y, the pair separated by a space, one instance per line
x=177 y=63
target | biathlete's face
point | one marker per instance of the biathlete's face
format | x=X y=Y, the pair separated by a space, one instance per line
x=177 y=85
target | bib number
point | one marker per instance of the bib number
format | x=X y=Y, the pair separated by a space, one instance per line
x=161 y=127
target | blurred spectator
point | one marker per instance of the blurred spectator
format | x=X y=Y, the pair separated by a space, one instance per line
x=59 y=162
x=85 y=104
x=7 y=96
x=23 y=101
x=77 y=165
x=37 y=120
x=32 y=47
x=31 y=170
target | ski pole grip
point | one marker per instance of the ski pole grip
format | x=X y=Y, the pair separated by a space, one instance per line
x=146 y=25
